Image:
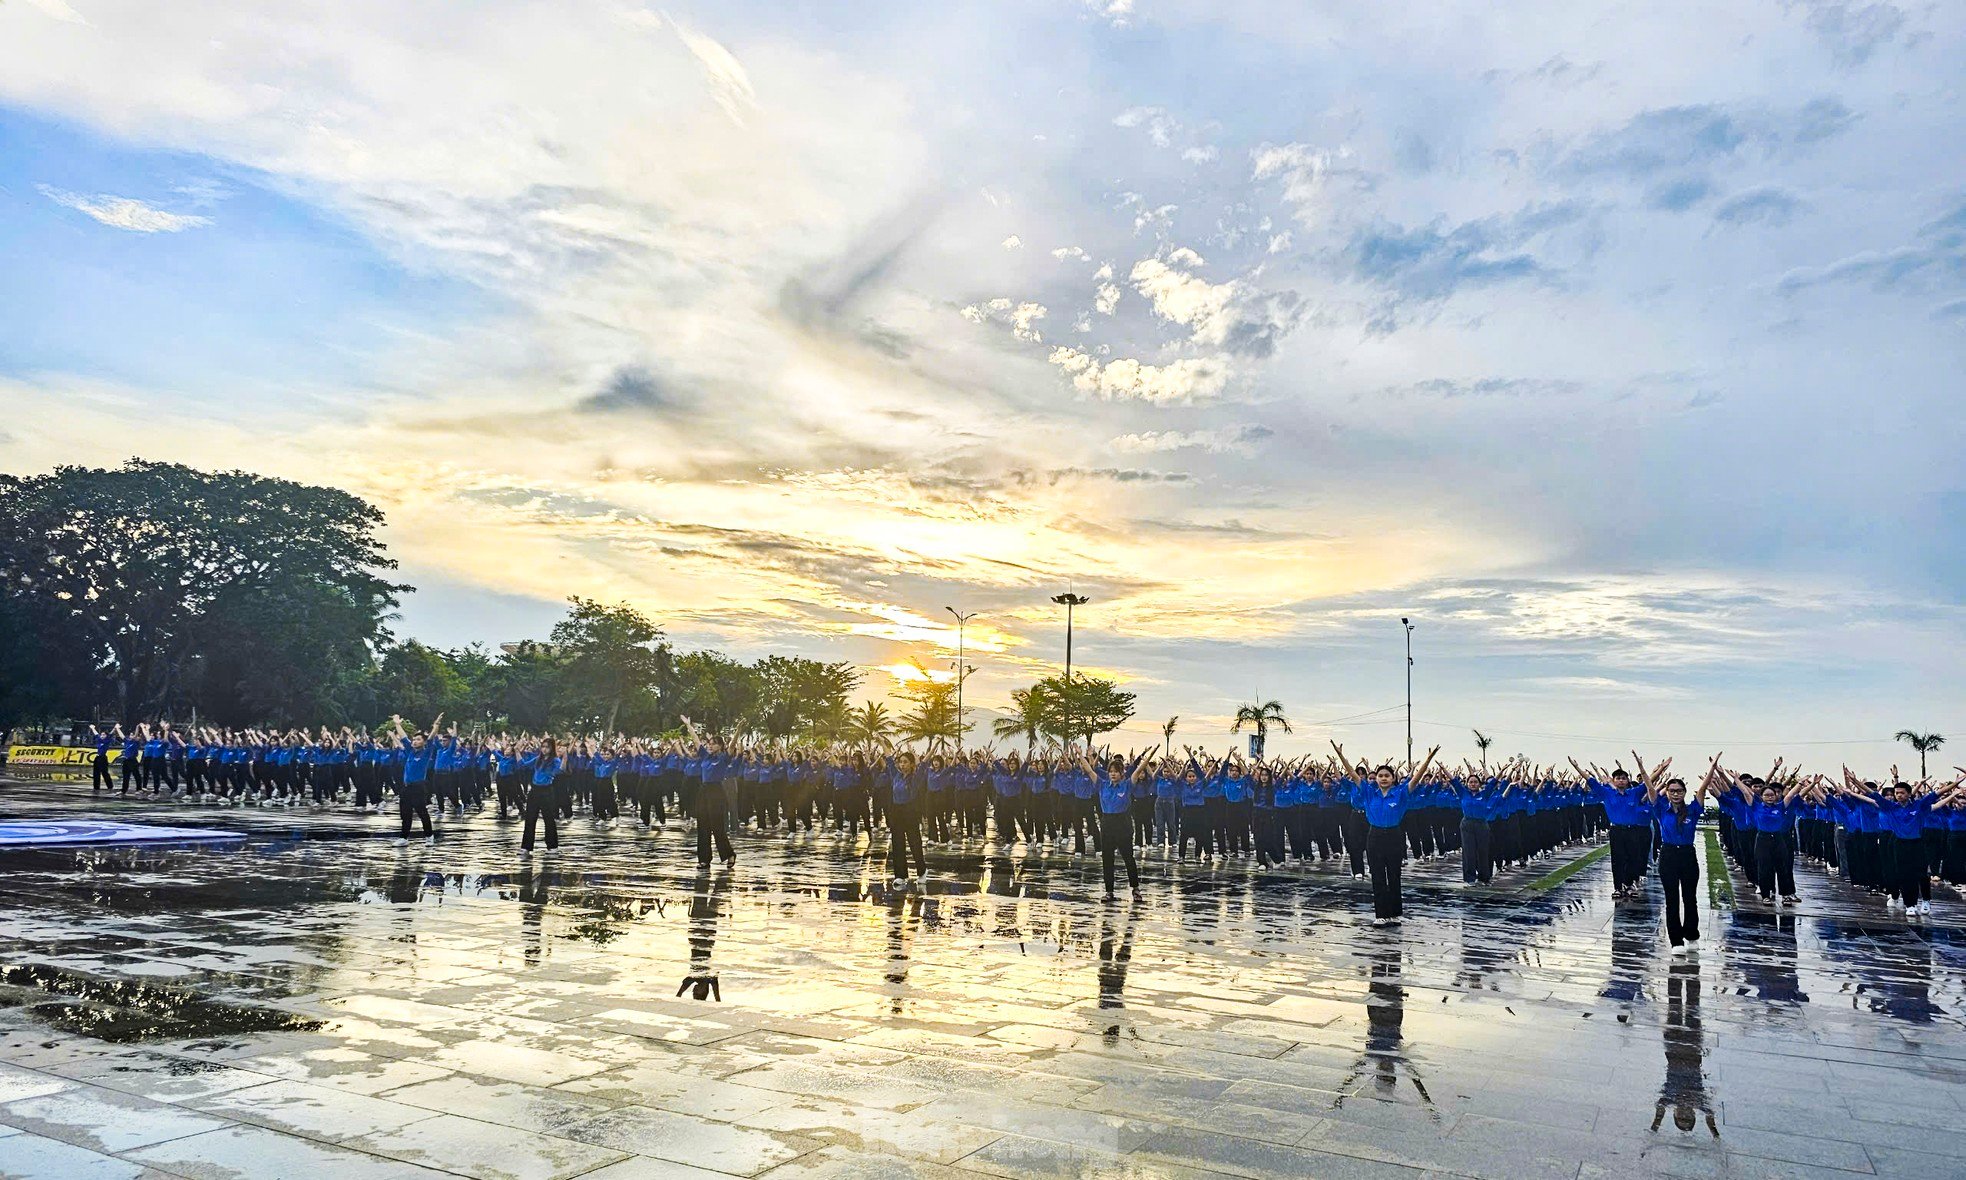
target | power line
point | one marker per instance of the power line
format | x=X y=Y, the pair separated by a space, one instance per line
x=1653 y=741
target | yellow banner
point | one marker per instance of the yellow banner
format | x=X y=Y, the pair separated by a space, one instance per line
x=56 y=755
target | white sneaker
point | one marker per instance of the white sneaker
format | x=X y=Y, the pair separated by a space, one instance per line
x=432 y=841
x=1925 y=908
x=402 y=842
x=1679 y=952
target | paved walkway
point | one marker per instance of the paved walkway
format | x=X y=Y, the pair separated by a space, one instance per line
x=315 y=1002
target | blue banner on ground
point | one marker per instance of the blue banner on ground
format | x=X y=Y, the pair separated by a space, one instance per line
x=18 y=832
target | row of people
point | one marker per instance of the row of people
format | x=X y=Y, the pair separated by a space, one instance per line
x=1193 y=804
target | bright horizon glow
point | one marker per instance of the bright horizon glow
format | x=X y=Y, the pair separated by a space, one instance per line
x=1617 y=349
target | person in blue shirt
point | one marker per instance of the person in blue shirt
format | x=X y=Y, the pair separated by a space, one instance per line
x=542 y=800
x=1384 y=801
x=1679 y=863
x=1629 y=813
x=413 y=796
x=99 y=761
x=131 y=759
x=1007 y=792
x=1770 y=814
x=1113 y=782
x=710 y=802
x=602 y=766
x=905 y=785
x=1902 y=814
x=1481 y=800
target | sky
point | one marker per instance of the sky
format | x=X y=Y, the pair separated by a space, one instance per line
x=1617 y=346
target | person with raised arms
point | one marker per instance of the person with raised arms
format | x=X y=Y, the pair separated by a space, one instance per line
x=413 y=795
x=1679 y=861
x=1384 y=801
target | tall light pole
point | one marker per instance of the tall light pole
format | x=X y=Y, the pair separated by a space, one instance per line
x=1408 y=624
x=1069 y=600
x=962 y=672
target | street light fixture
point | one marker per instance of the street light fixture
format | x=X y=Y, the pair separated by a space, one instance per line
x=1408 y=624
x=962 y=672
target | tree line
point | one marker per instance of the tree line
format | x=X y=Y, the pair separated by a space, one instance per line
x=155 y=590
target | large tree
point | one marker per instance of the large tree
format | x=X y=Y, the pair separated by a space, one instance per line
x=136 y=562
x=931 y=713
x=805 y=697
x=1083 y=707
x=611 y=662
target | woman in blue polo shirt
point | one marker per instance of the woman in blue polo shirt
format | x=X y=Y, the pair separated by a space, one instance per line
x=1384 y=801
x=1678 y=818
x=542 y=800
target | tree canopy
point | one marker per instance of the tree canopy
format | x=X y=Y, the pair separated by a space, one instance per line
x=155 y=576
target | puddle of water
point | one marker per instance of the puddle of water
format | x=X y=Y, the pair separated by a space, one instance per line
x=123 y=1011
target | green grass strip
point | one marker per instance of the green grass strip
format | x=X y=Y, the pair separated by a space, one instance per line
x=1557 y=877
x=1720 y=882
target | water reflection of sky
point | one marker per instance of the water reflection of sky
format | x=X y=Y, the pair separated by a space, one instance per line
x=1561 y=999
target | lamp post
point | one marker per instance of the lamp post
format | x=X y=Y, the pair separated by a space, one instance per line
x=962 y=672
x=1408 y=624
x=1069 y=600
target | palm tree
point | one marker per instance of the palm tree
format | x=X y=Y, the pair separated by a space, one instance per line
x=932 y=718
x=869 y=724
x=1167 y=734
x=1483 y=741
x=1924 y=743
x=1030 y=713
x=1261 y=718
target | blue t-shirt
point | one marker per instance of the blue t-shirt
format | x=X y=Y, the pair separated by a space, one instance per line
x=1383 y=809
x=1677 y=826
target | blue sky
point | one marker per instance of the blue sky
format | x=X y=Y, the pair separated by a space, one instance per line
x=1618 y=346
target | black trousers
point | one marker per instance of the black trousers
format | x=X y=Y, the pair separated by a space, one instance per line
x=542 y=803
x=1630 y=848
x=1385 y=849
x=904 y=837
x=1905 y=868
x=1477 y=851
x=99 y=773
x=1774 y=863
x=1679 y=873
x=713 y=823
x=1355 y=828
x=1116 y=836
x=413 y=801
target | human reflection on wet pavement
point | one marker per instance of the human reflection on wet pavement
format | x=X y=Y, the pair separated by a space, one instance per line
x=1684 y=1091
x=313 y=1001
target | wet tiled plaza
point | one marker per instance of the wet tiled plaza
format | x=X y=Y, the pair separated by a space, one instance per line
x=313 y=1001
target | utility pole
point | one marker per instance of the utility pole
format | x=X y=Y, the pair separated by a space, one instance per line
x=1408 y=624
x=1069 y=601
x=962 y=672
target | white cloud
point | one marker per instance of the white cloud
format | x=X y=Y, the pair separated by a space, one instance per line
x=1191 y=379
x=1224 y=440
x=126 y=212
x=1013 y=242
x=1302 y=169
x=1107 y=298
x=1064 y=252
x=1021 y=318
x=729 y=84
x=1160 y=125
x=1200 y=155
x=1234 y=316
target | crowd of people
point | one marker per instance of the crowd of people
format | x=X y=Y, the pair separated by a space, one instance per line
x=1892 y=840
